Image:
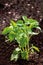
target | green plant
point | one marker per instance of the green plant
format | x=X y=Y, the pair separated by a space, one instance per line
x=22 y=31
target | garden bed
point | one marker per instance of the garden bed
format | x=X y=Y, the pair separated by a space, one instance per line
x=14 y=10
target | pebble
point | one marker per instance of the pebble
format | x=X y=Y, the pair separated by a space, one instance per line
x=3 y=21
x=6 y=4
x=40 y=19
x=32 y=7
x=38 y=11
x=9 y=12
x=28 y=4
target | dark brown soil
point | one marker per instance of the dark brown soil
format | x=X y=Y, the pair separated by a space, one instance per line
x=14 y=9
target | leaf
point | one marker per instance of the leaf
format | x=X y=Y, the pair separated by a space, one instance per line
x=19 y=22
x=33 y=33
x=14 y=56
x=32 y=50
x=38 y=28
x=11 y=36
x=30 y=32
x=30 y=21
x=23 y=41
x=24 y=55
x=36 y=48
x=18 y=37
x=33 y=21
x=13 y=23
x=25 y=19
x=7 y=30
x=17 y=49
x=16 y=29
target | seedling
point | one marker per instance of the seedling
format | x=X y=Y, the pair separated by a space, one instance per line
x=22 y=31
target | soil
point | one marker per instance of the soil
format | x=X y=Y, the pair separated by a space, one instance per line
x=14 y=9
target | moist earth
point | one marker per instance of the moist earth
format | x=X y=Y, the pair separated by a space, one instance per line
x=14 y=9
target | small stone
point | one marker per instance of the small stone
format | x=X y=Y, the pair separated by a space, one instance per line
x=9 y=12
x=32 y=7
x=6 y=4
x=40 y=19
x=3 y=21
x=28 y=4
x=38 y=11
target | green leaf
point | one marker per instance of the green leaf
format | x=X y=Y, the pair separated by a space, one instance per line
x=7 y=30
x=19 y=22
x=16 y=29
x=33 y=33
x=32 y=51
x=36 y=48
x=18 y=49
x=24 y=55
x=25 y=19
x=14 y=56
x=33 y=21
x=30 y=32
x=11 y=36
x=23 y=41
x=30 y=21
x=38 y=28
x=13 y=23
x=18 y=37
